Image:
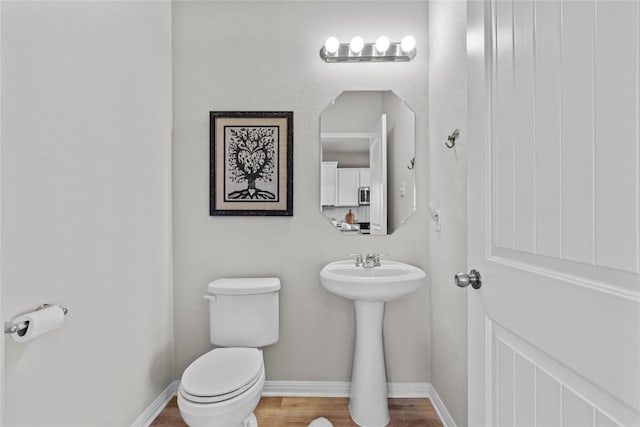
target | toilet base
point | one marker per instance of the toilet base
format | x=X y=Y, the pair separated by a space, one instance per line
x=235 y=412
x=251 y=421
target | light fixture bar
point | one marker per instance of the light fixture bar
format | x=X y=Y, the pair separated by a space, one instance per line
x=368 y=54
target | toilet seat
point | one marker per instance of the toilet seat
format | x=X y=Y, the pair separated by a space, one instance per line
x=218 y=398
x=221 y=374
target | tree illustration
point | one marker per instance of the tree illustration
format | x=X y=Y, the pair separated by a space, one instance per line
x=251 y=154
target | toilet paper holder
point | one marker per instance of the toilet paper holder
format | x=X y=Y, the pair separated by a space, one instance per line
x=13 y=328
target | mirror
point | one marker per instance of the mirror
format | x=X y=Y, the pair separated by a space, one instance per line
x=367 y=156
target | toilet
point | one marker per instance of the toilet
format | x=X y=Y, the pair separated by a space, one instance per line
x=223 y=387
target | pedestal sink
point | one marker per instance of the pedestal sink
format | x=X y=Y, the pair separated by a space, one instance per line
x=370 y=288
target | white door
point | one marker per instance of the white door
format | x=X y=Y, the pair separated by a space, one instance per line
x=554 y=208
x=378 y=171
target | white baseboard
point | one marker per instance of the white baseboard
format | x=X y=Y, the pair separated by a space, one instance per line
x=408 y=390
x=307 y=388
x=146 y=418
x=443 y=413
x=338 y=389
x=311 y=389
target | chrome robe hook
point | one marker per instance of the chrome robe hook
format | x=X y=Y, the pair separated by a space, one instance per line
x=451 y=139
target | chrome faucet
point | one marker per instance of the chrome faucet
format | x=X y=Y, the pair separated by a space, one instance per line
x=372 y=260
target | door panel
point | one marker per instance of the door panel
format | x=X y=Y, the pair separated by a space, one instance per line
x=560 y=159
x=616 y=122
x=542 y=391
x=554 y=332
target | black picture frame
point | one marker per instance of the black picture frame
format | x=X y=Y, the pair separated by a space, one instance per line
x=251 y=163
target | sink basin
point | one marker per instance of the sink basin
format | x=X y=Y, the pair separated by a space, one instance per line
x=390 y=281
x=370 y=289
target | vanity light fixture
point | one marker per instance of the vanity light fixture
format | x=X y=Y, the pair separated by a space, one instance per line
x=383 y=50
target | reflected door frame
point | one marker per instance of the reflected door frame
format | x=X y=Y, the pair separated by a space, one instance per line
x=378 y=170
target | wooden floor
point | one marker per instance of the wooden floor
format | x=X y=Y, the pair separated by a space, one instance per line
x=300 y=411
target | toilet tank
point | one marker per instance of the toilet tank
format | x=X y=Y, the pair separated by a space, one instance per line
x=244 y=312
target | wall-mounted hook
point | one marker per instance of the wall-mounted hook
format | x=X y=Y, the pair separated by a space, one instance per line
x=451 y=139
x=412 y=163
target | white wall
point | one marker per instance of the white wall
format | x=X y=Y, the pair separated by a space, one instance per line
x=448 y=180
x=274 y=65
x=86 y=119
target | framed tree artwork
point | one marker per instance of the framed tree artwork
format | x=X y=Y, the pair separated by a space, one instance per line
x=251 y=163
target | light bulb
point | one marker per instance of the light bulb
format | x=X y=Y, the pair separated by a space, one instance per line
x=382 y=44
x=331 y=45
x=356 y=44
x=408 y=43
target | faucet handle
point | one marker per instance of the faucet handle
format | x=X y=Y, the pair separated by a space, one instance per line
x=358 y=257
x=376 y=259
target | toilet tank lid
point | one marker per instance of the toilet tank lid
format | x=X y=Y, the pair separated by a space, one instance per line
x=244 y=285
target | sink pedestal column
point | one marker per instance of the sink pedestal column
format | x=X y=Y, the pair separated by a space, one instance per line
x=368 y=405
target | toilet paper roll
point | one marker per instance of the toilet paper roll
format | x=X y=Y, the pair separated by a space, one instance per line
x=40 y=322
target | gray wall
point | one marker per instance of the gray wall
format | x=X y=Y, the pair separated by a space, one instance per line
x=86 y=116
x=274 y=65
x=448 y=181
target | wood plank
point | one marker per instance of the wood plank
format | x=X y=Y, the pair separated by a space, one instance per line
x=547 y=129
x=578 y=32
x=616 y=124
x=170 y=416
x=524 y=138
x=525 y=392
x=548 y=400
x=300 y=411
x=576 y=411
x=504 y=131
x=505 y=399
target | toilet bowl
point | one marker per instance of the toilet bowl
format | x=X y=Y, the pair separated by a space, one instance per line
x=222 y=388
